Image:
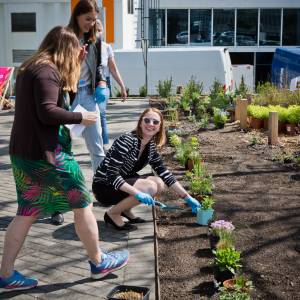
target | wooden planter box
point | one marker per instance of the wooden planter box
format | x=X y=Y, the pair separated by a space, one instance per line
x=256 y=123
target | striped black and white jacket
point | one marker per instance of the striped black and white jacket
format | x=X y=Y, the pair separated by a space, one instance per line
x=121 y=159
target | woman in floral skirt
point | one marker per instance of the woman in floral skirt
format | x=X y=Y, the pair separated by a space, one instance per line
x=46 y=175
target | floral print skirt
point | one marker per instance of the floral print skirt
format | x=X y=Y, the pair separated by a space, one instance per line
x=43 y=188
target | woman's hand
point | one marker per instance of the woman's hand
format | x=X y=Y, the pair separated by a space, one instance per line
x=89 y=118
x=83 y=52
x=123 y=93
x=144 y=198
x=192 y=203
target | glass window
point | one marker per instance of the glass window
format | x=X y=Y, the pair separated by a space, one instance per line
x=291 y=27
x=23 y=22
x=157 y=33
x=177 y=26
x=246 y=31
x=269 y=27
x=200 y=27
x=223 y=27
x=130 y=7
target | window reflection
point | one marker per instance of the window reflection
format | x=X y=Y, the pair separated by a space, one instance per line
x=223 y=27
x=291 y=27
x=177 y=26
x=246 y=31
x=200 y=26
x=157 y=33
x=269 y=27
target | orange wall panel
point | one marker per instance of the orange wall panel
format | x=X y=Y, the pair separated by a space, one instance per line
x=73 y=3
x=110 y=20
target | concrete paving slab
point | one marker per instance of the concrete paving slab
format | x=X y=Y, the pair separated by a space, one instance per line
x=55 y=255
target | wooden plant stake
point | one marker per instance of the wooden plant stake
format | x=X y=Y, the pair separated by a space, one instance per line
x=243 y=113
x=237 y=108
x=273 y=128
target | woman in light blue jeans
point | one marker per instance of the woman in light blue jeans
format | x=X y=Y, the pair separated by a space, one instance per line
x=92 y=134
x=109 y=68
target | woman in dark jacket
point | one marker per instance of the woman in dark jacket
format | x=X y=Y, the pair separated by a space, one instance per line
x=116 y=181
x=46 y=175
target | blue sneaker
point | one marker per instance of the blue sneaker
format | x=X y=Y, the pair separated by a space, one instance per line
x=111 y=261
x=17 y=282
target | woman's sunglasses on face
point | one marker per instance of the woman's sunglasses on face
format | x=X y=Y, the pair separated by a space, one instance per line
x=148 y=121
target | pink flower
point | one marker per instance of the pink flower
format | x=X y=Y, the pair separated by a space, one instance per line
x=74 y=195
x=33 y=192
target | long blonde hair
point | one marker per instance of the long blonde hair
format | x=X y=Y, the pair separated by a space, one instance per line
x=160 y=137
x=59 y=49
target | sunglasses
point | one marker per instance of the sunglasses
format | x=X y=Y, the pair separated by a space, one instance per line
x=148 y=121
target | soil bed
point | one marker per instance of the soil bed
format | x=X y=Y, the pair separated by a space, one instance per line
x=258 y=195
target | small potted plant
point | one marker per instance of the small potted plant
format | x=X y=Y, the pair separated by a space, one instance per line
x=205 y=213
x=227 y=262
x=237 y=288
x=219 y=117
x=128 y=292
x=174 y=140
x=240 y=283
x=220 y=230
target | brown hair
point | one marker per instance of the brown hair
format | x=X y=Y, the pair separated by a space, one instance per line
x=160 y=137
x=81 y=8
x=60 y=49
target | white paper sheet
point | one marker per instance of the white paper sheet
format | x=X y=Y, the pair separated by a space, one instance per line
x=76 y=129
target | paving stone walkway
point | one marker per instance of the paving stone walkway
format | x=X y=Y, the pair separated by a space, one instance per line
x=54 y=254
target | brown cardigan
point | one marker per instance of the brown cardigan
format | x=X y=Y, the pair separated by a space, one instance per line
x=38 y=114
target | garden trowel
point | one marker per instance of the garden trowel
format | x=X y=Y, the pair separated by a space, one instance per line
x=167 y=207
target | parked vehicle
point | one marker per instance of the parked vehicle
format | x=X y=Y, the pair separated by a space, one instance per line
x=206 y=64
x=286 y=67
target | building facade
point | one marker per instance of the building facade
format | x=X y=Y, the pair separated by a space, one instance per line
x=251 y=30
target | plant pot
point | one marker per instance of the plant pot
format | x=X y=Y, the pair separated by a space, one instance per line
x=290 y=129
x=213 y=241
x=198 y=197
x=127 y=288
x=256 y=123
x=220 y=125
x=281 y=127
x=229 y=285
x=189 y=164
x=157 y=103
x=203 y=216
x=266 y=124
x=221 y=276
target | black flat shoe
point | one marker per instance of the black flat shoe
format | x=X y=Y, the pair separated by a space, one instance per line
x=126 y=226
x=57 y=218
x=133 y=220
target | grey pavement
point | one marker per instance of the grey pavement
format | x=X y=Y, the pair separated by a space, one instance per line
x=54 y=254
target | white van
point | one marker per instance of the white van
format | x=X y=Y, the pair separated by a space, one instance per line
x=204 y=63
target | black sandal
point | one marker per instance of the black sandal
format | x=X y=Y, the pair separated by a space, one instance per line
x=133 y=220
x=126 y=226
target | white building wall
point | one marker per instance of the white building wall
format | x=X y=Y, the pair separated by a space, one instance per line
x=49 y=13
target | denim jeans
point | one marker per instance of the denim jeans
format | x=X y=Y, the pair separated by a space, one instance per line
x=102 y=108
x=92 y=134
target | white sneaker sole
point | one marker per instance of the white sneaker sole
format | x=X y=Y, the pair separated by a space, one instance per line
x=102 y=275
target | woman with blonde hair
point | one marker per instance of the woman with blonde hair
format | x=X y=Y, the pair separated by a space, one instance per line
x=116 y=181
x=46 y=175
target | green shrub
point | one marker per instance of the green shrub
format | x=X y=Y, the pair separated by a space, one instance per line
x=219 y=117
x=164 y=87
x=293 y=114
x=282 y=112
x=175 y=140
x=227 y=259
x=143 y=91
x=258 y=111
x=207 y=203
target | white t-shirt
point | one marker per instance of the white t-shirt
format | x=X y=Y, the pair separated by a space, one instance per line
x=106 y=53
